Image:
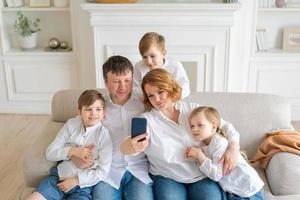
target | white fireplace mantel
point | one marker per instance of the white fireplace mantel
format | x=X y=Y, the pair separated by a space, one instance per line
x=201 y=35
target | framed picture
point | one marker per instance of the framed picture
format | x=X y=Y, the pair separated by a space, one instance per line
x=39 y=3
x=291 y=39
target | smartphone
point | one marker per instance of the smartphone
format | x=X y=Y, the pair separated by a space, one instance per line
x=138 y=127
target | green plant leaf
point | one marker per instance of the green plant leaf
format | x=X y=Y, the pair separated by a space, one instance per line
x=25 y=26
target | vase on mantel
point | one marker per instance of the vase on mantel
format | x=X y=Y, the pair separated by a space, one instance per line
x=279 y=3
x=230 y=1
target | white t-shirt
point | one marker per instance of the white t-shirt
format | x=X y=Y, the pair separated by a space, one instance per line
x=118 y=121
x=73 y=134
x=169 y=140
x=242 y=180
x=173 y=67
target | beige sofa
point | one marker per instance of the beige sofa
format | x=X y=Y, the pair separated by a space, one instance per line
x=251 y=114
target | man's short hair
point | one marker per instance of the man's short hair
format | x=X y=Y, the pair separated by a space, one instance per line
x=116 y=65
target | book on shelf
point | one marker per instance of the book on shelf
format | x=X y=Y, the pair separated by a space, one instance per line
x=14 y=3
x=261 y=39
x=266 y=3
x=293 y=4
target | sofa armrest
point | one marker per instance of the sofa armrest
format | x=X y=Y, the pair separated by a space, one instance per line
x=283 y=174
x=35 y=165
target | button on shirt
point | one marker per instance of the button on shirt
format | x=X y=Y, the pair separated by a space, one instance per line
x=242 y=180
x=73 y=134
x=168 y=141
x=173 y=67
x=118 y=121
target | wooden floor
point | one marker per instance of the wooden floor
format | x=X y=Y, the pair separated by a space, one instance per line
x=17 y=133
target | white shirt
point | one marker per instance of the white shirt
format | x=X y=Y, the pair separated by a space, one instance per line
x=173 y=67
x=168 y=142
x=73 y=134
x=242 y=180
x=118 y=121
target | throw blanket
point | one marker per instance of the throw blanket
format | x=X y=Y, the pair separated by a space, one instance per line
x=274 y=142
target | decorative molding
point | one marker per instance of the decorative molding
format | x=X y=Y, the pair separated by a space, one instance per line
x=188 y=15
x=202 y=56
x=200 y=25
x=23 y=87
x=279 y=78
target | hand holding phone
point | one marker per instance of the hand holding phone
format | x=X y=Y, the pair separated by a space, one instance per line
x=138 y=127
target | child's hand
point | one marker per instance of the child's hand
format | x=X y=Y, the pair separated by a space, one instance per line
x=67 y=184
x=82 y=152
x=194 y=154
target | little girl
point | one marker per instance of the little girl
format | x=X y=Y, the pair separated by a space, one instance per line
x=240 y=183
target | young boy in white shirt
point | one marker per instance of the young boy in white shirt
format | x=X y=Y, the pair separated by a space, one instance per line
x=242 y=182
x=153 y=52
x=83 y=137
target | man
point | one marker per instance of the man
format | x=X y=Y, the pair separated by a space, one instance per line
x=128 y=178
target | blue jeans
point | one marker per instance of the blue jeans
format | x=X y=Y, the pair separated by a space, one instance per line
x=49 y=189
x=168 y=189
x=131 y=188
x=257 y=196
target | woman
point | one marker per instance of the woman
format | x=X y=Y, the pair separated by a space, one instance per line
x=168 y=136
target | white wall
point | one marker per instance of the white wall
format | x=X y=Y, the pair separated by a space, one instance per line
x=241 y=71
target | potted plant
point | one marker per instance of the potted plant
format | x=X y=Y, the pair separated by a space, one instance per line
x=27 y=30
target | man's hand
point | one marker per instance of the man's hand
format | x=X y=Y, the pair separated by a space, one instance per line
x=67 y=184
x=81 y=164
x=230 y=157
x=86 y=161
x=82 y=152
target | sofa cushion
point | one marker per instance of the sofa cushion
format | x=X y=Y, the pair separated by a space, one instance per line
x=64 y=104
x=283 y=174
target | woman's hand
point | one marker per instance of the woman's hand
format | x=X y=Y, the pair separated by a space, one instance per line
x=67 y=184
x=135 y=145
x=230 y=157
x=194 y=154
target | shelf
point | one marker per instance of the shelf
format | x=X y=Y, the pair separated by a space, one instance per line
x=36 y=52
x=276 y=52
x=26 y=8
x=276 y=55
x=282 y=10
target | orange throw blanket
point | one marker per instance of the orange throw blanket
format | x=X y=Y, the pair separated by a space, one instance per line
x=274 y=142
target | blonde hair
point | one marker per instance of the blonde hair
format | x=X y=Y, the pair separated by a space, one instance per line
x=211 y=114
x=150 y=39
x=162 y=79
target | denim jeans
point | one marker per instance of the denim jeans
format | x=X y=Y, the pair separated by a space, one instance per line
x=131 y=188
x=257 y=196
x=168 y=189
x=49 y=189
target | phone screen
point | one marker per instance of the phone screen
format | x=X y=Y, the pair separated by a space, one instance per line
x=138 y=127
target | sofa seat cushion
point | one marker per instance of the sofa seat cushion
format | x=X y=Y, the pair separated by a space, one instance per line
x=283 y=174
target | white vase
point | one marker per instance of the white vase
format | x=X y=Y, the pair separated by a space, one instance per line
x=280 y=3
x=28 y=42
x=61 y=3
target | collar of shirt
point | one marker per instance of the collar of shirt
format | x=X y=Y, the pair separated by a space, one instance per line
x=90 y=128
